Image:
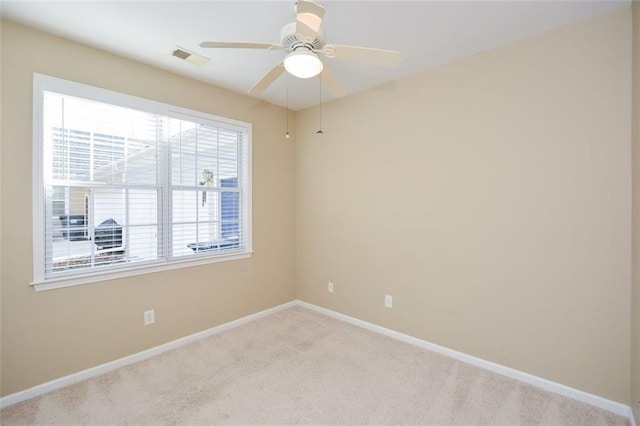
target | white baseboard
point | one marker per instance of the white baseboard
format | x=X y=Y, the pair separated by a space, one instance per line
x=131 y=359
x=596 y=401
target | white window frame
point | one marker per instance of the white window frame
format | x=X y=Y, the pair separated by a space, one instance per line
x=43 y=83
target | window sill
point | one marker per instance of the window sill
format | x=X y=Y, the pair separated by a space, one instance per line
x=70 y=281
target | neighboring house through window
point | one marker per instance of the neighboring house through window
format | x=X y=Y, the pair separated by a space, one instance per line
x=125 y=185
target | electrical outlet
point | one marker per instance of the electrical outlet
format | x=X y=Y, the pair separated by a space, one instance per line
x=388 y=301
x=330 y=287
x=149 y=317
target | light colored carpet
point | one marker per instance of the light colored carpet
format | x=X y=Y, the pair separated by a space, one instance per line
x=301 y=367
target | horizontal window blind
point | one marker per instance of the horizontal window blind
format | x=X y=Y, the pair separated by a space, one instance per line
x=125 y=187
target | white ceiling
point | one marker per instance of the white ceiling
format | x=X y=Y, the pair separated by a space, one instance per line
x=427 y=33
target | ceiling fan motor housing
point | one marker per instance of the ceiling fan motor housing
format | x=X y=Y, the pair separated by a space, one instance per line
x=291 y=40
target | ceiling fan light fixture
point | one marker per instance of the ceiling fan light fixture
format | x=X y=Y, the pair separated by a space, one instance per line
x=303 y=63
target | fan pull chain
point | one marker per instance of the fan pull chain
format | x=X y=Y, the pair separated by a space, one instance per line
x=320 y=132
x=286 y=135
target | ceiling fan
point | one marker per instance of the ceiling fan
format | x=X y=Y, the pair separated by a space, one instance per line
x=304 y=41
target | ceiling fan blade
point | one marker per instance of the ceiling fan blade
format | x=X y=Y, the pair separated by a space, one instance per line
x=239 y=45
x=267 y=80
x=309 y=18
x=390 y=58
x=332 y=83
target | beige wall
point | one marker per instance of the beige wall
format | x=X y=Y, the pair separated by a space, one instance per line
x=491 y=199
x=635 y=256
x=50 y=334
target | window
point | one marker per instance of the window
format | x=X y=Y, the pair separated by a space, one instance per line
x=124 y=185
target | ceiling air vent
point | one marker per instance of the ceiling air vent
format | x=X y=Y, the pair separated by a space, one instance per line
x=194 y=58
